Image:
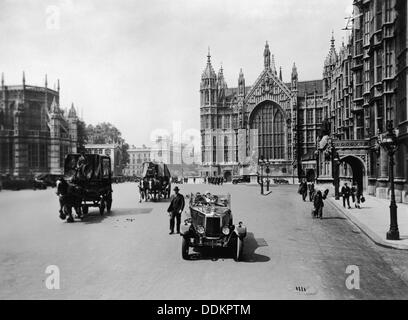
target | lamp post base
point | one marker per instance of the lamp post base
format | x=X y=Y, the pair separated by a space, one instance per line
x=393 y=235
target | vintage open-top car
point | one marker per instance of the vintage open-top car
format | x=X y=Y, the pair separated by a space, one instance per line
x=210 y=224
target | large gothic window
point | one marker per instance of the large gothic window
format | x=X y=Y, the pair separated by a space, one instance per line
x=269 y=121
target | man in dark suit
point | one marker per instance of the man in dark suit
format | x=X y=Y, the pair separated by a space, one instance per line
x=346 y=191
x=175 y=209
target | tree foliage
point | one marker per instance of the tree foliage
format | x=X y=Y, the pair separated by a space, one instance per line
x=105 y=133
x=82 y=136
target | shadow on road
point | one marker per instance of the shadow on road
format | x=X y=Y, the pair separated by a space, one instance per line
x=94 y=216
x=249 y=255
x=250 y=246
x=130 y=211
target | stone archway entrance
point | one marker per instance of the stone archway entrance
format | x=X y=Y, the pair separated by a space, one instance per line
x=358 y=170
x=310 y=175
x=228 y=176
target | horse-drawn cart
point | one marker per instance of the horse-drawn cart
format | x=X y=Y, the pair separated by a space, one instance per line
x=87 y=182
x=156 y=181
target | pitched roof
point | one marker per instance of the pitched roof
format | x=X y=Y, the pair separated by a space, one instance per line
x=309 y=87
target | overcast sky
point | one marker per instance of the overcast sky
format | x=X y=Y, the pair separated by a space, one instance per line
x=137 y=64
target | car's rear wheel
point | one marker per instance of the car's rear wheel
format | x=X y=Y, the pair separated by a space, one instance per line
x=184 y=248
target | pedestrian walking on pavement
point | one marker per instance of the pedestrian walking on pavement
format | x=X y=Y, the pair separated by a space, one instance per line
x=303 y=189
x=318 y=205
x=311 y=191
x=353 y=192
x=345 y=192
x=359 y=195
x=175 y=209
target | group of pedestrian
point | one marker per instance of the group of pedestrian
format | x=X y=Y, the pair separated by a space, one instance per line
x=317 y=197
x=214 y=180
x=355 y=193
x=306 y=187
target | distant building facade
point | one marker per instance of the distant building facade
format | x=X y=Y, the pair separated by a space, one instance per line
x=112 y=150
x=272 y=119
x=35 y=133
x=364 y=86
x=137 y=155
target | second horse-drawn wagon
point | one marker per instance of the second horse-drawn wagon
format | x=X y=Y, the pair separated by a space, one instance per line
x=155 y=182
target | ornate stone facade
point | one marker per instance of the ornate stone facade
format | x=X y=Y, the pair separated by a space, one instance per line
x=364 y=87
x=273 y=119
x=35 y=133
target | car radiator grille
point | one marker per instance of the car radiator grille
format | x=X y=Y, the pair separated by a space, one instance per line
x=213 y=228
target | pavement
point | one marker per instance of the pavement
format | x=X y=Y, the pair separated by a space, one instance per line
x=128 y=254
x=374 y=220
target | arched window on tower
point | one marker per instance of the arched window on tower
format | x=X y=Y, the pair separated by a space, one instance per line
x=214 y=149
x=278 y=135
x=226 y=159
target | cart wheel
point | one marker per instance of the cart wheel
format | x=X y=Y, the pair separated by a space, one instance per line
x=184 y=248
x=85 y=209
x=101 y=207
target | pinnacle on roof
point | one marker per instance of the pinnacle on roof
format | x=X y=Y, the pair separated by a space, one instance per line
x=208 y=72
x=72 y=112
x=332 y=56
x=54 y=106
x=267 y=56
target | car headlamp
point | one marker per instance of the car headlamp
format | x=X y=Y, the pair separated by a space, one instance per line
x=200 y=229
x=226 y=230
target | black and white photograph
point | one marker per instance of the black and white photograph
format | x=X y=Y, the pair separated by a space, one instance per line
x=203 y=151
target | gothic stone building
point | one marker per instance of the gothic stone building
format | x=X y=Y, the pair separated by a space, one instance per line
x=364 y=86
x=271 y=119
x=35 y=134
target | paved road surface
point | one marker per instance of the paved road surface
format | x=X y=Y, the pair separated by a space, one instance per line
x=129 y=254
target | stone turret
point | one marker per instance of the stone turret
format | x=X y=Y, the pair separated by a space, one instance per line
x=55 y=133
x=73 y=128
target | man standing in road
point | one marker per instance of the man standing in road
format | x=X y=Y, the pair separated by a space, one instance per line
x=175 y=209
x=345 y=192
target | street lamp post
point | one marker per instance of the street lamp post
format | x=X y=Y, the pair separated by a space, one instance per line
x=267 y=170
x=261 y=164
x=335 y=160
x=389 y=142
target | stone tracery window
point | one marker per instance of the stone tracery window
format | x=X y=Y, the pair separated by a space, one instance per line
x=269 y=121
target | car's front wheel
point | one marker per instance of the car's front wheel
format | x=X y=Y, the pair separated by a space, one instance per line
x=184 y=248
x=237 y=248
